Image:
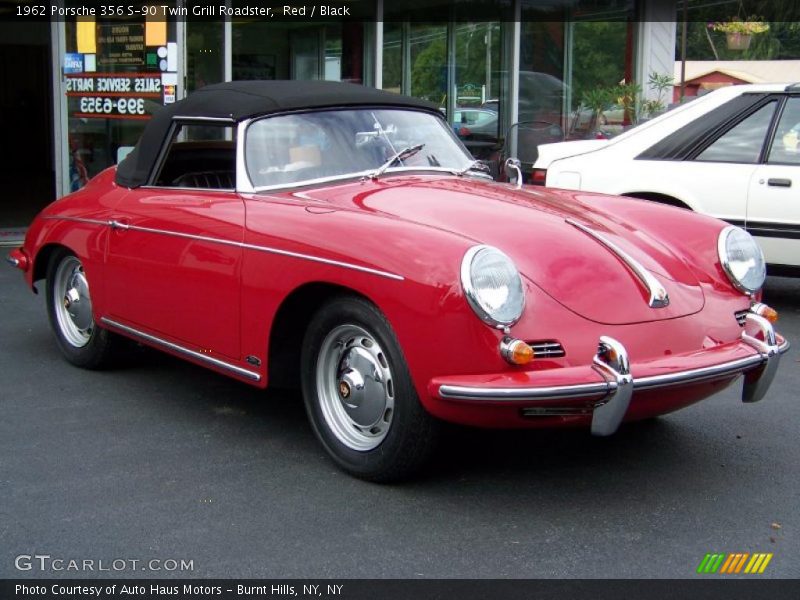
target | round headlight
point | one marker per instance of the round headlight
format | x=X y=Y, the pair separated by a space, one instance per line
x=492 y=285
x=742 y=259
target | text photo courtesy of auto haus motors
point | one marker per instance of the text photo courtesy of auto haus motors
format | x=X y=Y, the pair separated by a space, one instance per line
x=349 y=245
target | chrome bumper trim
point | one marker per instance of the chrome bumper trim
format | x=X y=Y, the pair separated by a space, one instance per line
x=581 y=390
x=220 y=364
x=612 y=397
x=612 y=361
x=12 y=261
x=757 y=384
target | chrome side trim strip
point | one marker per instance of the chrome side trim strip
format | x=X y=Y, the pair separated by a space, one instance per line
x=76 y=220
x=114 y=224
x=253 y=376
x=659 y=298
x=266 y=249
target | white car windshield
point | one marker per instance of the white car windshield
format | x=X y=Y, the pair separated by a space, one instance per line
x=288 y=150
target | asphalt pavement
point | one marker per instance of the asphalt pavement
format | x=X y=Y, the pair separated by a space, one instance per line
x=164 y=461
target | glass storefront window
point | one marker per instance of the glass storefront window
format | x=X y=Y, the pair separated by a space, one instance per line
x=117 y=72
x=542 y=90
x=205 y=58
x=428 y=62
x=600 y=63
x=333 y=51
x=477 y=86
x=393 y=57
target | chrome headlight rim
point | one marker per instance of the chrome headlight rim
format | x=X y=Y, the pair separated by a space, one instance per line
x=471 y=292
x=722 y=252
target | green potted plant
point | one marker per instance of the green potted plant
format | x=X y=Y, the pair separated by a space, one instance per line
x=739 y=32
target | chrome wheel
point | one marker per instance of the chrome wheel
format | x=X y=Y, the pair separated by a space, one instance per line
x=72 y=303
x=355 y=387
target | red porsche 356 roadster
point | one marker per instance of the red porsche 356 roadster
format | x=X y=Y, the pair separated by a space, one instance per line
x=340 y=239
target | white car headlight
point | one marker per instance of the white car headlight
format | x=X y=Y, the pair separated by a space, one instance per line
x=742 y=259
x=493 y=286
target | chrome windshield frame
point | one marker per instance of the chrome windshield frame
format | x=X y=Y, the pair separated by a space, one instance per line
x=245 y=185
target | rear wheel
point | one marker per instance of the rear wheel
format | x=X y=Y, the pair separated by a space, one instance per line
x=359 y=396
x=69 y=308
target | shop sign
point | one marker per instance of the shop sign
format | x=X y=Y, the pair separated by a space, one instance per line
x=121 y=44
x=73 y=62
x=115 y=95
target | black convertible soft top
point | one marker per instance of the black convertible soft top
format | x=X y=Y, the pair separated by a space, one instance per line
x=239 y=100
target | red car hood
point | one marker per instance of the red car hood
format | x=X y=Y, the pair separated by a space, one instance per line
x=531 y=226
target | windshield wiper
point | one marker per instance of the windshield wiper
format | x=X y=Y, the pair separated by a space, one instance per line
x=402 y=155
x=475 y=165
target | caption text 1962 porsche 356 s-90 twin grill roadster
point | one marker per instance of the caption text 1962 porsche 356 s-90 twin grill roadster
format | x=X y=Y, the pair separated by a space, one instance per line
x=341 y=239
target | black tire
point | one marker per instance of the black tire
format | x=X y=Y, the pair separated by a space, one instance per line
x=81 y=342
x=400 y=443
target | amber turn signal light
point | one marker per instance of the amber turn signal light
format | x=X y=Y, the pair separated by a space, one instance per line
x=17 y=258
x=516 y=352
x=769 y=313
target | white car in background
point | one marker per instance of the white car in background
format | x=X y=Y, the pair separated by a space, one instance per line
x=732 y=154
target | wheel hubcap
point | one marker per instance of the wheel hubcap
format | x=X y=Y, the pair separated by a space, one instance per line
x=355 y=387
x=73 y=304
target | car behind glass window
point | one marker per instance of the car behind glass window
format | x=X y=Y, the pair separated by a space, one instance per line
x=742 y=143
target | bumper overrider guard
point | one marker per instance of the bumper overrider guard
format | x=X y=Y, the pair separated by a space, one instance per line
x=612 y=396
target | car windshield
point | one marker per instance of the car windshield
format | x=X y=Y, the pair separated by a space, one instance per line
x=300 y=148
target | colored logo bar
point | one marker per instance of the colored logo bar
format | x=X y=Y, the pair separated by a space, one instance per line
x=734 y=563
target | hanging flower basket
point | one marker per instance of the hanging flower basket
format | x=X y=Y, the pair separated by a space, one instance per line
x=738 y=32
x=739 y=41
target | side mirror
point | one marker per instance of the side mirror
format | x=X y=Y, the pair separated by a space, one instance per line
x=513 y=171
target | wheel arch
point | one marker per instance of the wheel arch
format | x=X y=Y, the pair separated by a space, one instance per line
x=42 y=259
x=658 y=197
x=289 y=327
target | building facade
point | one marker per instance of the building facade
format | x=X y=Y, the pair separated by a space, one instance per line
x=533 y=69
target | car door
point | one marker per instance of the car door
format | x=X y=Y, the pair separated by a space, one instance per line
x=174 y=252
x=720 y=173
x=773 y=203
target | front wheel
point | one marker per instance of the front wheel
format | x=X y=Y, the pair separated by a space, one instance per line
x=69 y=308
x=359 y=396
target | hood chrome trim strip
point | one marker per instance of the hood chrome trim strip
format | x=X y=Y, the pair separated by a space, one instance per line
x=659 y=298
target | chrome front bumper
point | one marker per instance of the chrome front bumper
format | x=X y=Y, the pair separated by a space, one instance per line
x=613 y=394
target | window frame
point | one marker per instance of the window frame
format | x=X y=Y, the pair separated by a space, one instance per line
x=170 y=138
x=245 y=182
x=740 y=118
x=777 y=121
